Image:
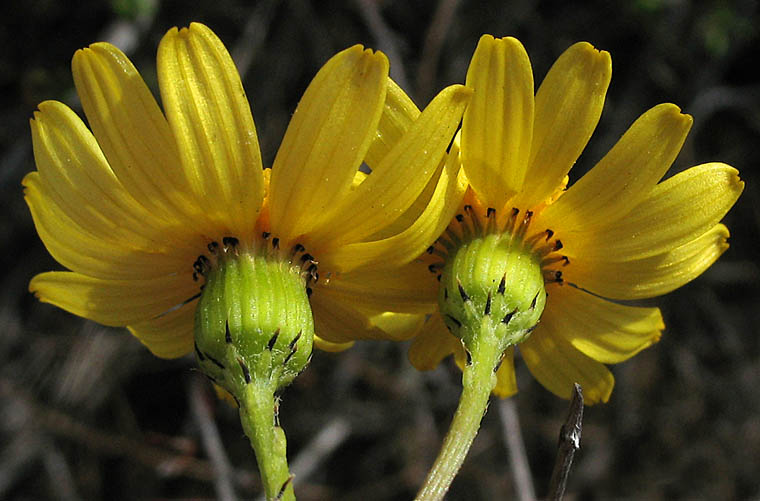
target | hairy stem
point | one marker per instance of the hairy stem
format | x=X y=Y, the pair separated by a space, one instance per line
x=257 y=414
x=478 y=380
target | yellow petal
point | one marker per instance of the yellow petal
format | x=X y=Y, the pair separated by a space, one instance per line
x=211 y=119
x=169 y=335
x=498 y=125
x=412 y=213
x=408 y=289
x=132 y=131
x=331 y=347
x=78 y=179
x=402 y=174
x=113 y=302
x=556 y=364
x=327 y=139
x=337 y=321
x=568 y=106
x=651 y=276
x=406 y=246
x=678 y=210
x=432 y=344
x=607 y=332
x=398 y=326
x=399 y=112
x=91 y=254
x=506 y=382
x=626 y=175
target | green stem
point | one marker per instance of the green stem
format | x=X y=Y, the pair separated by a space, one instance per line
x=478 y=380
x=257 y=414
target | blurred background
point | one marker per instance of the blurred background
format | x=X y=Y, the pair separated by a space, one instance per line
x=87 y=413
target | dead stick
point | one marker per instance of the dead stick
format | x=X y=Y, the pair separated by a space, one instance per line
x=569 y=442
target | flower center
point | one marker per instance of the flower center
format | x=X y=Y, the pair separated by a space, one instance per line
x=254 y=320
x=495 y=272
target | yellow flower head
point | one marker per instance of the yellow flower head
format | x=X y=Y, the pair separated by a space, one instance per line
x=616 y=234
x=138 y=208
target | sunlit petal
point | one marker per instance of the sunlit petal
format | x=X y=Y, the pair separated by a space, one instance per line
x=327 y=139
x=568 y=105
x=498 y=125
x=626 y=175
x=132 y=131
x=94 y=254
x=78 y=178
x=325 y=345
x=678 y=210
x=651 y=276
x=398 y=326
x=211 y=120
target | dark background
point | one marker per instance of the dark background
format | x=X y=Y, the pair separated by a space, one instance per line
x=87 y=413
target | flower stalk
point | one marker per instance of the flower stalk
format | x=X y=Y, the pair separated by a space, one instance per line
x=258 y=417
x=478 y=380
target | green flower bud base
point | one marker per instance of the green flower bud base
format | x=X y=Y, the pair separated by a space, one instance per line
x=491 y=297
x=253 y=335
x=492 y=282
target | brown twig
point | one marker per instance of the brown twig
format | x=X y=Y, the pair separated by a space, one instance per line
x=569 y=443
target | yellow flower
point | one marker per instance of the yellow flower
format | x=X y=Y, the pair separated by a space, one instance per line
x=130 y=207
x=616 y=234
